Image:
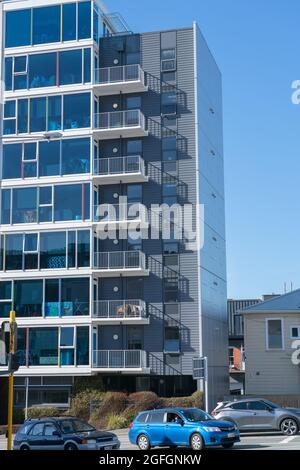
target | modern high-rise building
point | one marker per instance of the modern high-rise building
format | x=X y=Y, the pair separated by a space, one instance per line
x=94 y=114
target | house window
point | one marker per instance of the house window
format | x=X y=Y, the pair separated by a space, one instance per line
x=295 y=332
x=231 y=357
x=172 y=339
x=274 y=334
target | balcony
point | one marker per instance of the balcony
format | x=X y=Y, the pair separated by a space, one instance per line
x=117 y=124
x=118 y=263
x=121 y=360
x=119 y=79
x=120 y=311
x=115 y=170
x=121 y=214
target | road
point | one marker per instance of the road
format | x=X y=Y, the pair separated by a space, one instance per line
x=249 y=441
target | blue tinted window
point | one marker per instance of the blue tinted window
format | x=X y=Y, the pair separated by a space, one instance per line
x=24 y=205
x=87 y=65
x=75 y=292
x=83 y=247
x=68 y=202
x=5 y=206
x=9 y=126
x=20 y=65
x=86 y=202
x=28 y=296
x=22 y=116
x=37 y=114
x=69 y=22
x=18 y=28
x=45 y=196
x=43 y=346
x=54 y=113
x=8 y=73
x=20 y=82
x=53 y=250
x=75 y=156
x=82 y=344
x=42 y=70
x=46 y=25
x=77 y=111
x=10 y=109
x=12 y=161
x=49 y=158
x=84 y=20
x=70 y=67
x=14 y=252
x=29 y=164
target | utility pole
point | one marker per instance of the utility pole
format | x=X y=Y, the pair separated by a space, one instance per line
x=12 y=337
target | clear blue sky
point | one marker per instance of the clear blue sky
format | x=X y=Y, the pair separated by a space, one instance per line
x=256 y=45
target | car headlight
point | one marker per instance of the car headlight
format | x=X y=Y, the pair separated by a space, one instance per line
x=91 y=441
x=211 y=429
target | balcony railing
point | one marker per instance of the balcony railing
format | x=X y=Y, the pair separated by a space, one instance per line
x=119 y=309
x=119 y=119
x=122 y=359
x=120 y=212
x=123 y=73
x=119 y=165
x=119 y=260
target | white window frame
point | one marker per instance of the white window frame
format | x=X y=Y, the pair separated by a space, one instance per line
x=267 y=333
x=291 y=335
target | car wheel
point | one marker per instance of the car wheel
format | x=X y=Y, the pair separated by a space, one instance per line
x=228 y=446
x=143 y=442
x=24 y=447
x=289 y=427
x=70 y=446
x=196 y=441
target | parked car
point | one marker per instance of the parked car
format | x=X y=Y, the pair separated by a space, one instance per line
x=62 y=434
x=189 y=427
x=259 y=414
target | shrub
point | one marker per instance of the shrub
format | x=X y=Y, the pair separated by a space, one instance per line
x=114 y=403
x=88 y=384
x=39 y=411
x=197 y=399
x=172 y=402
x=116 y=421
x=80 y=403
x=18 y=416
x=144 y=401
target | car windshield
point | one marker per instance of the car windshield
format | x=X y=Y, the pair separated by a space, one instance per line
x=75 y=425
x=196 y=415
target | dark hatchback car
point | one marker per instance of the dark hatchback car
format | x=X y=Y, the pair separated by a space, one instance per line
x=63 y=434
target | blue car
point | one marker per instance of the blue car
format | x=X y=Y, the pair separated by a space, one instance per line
x=62 y=434
x=189 y=427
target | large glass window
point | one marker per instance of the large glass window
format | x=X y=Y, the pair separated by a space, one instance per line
x=69 y=22
x=43 y=347
x=5 y=206
x=69 y=202
x=83 y=246
x=18 y=28
x=38 y=114
x=84 y=20
x=53 y=250
x=75 y=156
x=23 y=116
x=29 y=164
x=42 y=70
x=5 y=298
x=12 y=161
x=46 y=24
x=82 y=346
x=274 y=334
x=28 y=297
x=54 y=113
x=24 y=205
x=8 y=73
x=172 y=339
x=14 y=252
x=77 y=111
x=70 y=67
x=49 y=158
x=75 y=296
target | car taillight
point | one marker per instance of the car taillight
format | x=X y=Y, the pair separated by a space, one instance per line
x=130 y=425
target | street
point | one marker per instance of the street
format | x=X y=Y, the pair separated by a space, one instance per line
x=249 y=441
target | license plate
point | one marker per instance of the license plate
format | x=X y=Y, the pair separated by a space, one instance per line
x=231 y=434
x=107 y=447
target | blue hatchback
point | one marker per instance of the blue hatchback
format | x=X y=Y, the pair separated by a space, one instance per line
x=189 y=427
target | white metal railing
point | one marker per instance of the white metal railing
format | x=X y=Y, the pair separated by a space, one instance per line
x=111 y=260
x=119 y=74
x=119 y=309
x=120 y=359
x=119 y=165
x=119 y=119
x=120 y=212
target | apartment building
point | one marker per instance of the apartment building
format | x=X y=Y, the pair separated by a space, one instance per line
x=97 y=116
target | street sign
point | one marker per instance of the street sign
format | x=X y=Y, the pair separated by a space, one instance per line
x=199 y=368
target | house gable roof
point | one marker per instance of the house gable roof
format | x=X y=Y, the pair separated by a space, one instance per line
x=289 y=302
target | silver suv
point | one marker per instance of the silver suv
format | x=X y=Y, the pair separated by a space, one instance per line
x=259 y=414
